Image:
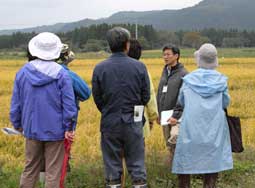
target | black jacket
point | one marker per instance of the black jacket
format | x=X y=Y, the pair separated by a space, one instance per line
x=118 y=84
x=173 y=81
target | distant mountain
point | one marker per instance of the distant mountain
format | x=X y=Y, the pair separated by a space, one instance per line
x=224 y=14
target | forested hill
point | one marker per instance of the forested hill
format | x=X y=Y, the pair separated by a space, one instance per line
x=224 y=14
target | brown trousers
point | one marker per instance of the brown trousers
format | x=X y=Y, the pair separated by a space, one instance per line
x=209 y=180
x=53 y=152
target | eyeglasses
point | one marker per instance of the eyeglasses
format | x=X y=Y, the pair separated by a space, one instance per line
x=167 y=54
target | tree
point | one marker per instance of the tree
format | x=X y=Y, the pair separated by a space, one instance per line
x=144 y=43
x=194 y=40
x=93 y=45
x=166 y=37
x=234 y=42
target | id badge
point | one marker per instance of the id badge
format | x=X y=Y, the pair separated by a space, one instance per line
x=138 y=113
x=164 y=89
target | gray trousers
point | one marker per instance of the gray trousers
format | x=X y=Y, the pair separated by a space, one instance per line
x=130 y=140
x=53 y=152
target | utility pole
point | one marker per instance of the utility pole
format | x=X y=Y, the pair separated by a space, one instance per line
x=136 y=30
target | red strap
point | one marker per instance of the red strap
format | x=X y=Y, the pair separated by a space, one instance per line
x=67 y=145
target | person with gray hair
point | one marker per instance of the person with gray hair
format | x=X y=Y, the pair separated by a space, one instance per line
x=203 y=145
x=121 y=89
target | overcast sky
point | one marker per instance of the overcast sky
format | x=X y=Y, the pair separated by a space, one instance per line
x=29 y=13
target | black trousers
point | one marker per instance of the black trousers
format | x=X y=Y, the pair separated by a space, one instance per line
x=209 y=180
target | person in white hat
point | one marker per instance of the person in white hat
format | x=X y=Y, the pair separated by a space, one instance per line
x=81 y=89
x=43 y=108
x=203 y=145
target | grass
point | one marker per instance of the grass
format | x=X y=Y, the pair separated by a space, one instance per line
x=185 y=52
x=90 y=175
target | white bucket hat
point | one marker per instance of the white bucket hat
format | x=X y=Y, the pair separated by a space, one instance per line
x=207 y=56
x=46 y=46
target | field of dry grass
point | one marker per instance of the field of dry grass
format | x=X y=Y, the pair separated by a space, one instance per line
x=86 y=150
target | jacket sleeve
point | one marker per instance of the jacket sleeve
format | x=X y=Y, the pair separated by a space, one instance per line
x=97 y=91
x=159 y=93
x=145 y=87
x=81 y=89
x=178 y=109
x=152 y=104
x=15 y=112
x=68 y=102
x=226 y=99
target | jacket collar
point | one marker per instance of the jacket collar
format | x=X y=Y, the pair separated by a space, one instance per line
x=119 y=54
x=65 y=67
x=173 y=69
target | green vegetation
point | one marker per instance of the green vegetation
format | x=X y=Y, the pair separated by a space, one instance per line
x=93 y=38
x=185 y=52
x=223 y=53
x=159 y=176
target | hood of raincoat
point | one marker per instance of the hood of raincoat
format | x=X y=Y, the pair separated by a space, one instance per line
x=206 y=82
x=40 y=72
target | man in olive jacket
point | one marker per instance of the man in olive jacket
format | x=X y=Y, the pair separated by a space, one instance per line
x=168 y=89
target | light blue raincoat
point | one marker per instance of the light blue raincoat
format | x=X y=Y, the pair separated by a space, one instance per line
x=203 y=145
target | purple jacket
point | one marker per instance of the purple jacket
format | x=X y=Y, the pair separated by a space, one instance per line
x=43 y=101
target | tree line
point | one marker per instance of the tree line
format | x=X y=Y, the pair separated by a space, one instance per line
x=93 y=38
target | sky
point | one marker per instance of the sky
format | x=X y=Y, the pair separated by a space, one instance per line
x=16 y=14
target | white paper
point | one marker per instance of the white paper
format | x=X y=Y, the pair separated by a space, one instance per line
x=164 y=89
x=166 y=115
x=10 y=131
x=138 y=113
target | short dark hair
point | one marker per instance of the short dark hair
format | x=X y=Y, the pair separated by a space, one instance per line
x=173 y=48
x=135 y=50
x=62 y=56
x=117 y=39
x=29 y=56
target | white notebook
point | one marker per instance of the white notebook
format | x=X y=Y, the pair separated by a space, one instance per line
x=10 y=131
x=166 y=115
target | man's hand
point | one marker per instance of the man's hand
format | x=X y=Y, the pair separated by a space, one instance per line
x=69 y=135
x=172 y=121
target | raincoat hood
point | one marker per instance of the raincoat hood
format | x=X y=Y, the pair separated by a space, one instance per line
x=40 y=72
x=206 y=82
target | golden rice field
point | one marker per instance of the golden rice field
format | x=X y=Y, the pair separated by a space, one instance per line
x=86 y=149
